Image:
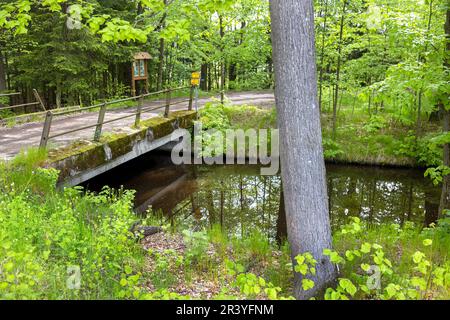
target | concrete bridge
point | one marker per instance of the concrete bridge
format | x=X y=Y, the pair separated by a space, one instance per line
x=120 y=134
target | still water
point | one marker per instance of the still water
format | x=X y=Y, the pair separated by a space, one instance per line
x=239 y=199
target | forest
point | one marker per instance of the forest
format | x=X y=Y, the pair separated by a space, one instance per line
x=359 y=91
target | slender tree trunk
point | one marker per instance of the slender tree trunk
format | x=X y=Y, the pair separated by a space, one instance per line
x=210 y=206
x=322 y=55
x=419 y=114
x=2 y=73
x=281 y=222
x=222 y=204
x=423 y=60
x=222 y=62
x=445 y=108
x=162 y=53
x=204 y=80
x=210 y=78
x=302 y=161
x=232 y=74
x=338 y=69
x=58 y=95
x=8 y=73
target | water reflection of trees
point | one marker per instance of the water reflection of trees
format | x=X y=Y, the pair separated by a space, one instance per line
x=241 y=200
x=380 y=195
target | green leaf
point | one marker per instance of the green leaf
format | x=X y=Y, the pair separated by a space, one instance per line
x=262 y=282
x=307 y=284
x=419 y=282
x=365 y=267
x=128 y=270
x=348 y=286
x=365 y=247
x=302 y=269
x=349 y=254
x=418 y=256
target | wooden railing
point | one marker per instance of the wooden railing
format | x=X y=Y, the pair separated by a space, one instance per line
x=23 y=105
x=46 y=133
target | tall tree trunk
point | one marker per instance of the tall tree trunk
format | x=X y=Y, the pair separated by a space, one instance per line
x=281 y=222
x=210 y=77
x=423 y=60
x=162 y=52
x=445 y=108
x=2 y=73
x=302 y=160
x=204 y=80
x=232 y=74
x=210 y=207
x=58 y=94
x=322 y=55
x=222 y=208
x=338 y=68
x=222 y=61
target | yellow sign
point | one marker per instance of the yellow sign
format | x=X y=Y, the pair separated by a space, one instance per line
x=195 y=81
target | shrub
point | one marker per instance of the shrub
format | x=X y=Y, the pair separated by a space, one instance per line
x=46 y=234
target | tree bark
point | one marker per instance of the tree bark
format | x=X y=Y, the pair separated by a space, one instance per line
x=302 y=160
x=445 y=108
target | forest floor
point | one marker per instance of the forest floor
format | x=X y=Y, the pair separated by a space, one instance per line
x=211 y=265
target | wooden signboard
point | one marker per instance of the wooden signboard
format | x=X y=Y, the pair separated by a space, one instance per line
x=139 y=70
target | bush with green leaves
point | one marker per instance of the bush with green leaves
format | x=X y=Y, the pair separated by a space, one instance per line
x=427 y=150
x=44 y=232
x=332 y=149
x=375 y=124
x=371 y=274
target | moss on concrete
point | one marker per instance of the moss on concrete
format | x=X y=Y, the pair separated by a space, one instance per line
x=86 y=155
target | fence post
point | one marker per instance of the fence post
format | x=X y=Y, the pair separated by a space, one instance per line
x=101 y=119
x=191 y=98
x=38 y=99
x=46 y=130
x=168 y=97
x=139 y=111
